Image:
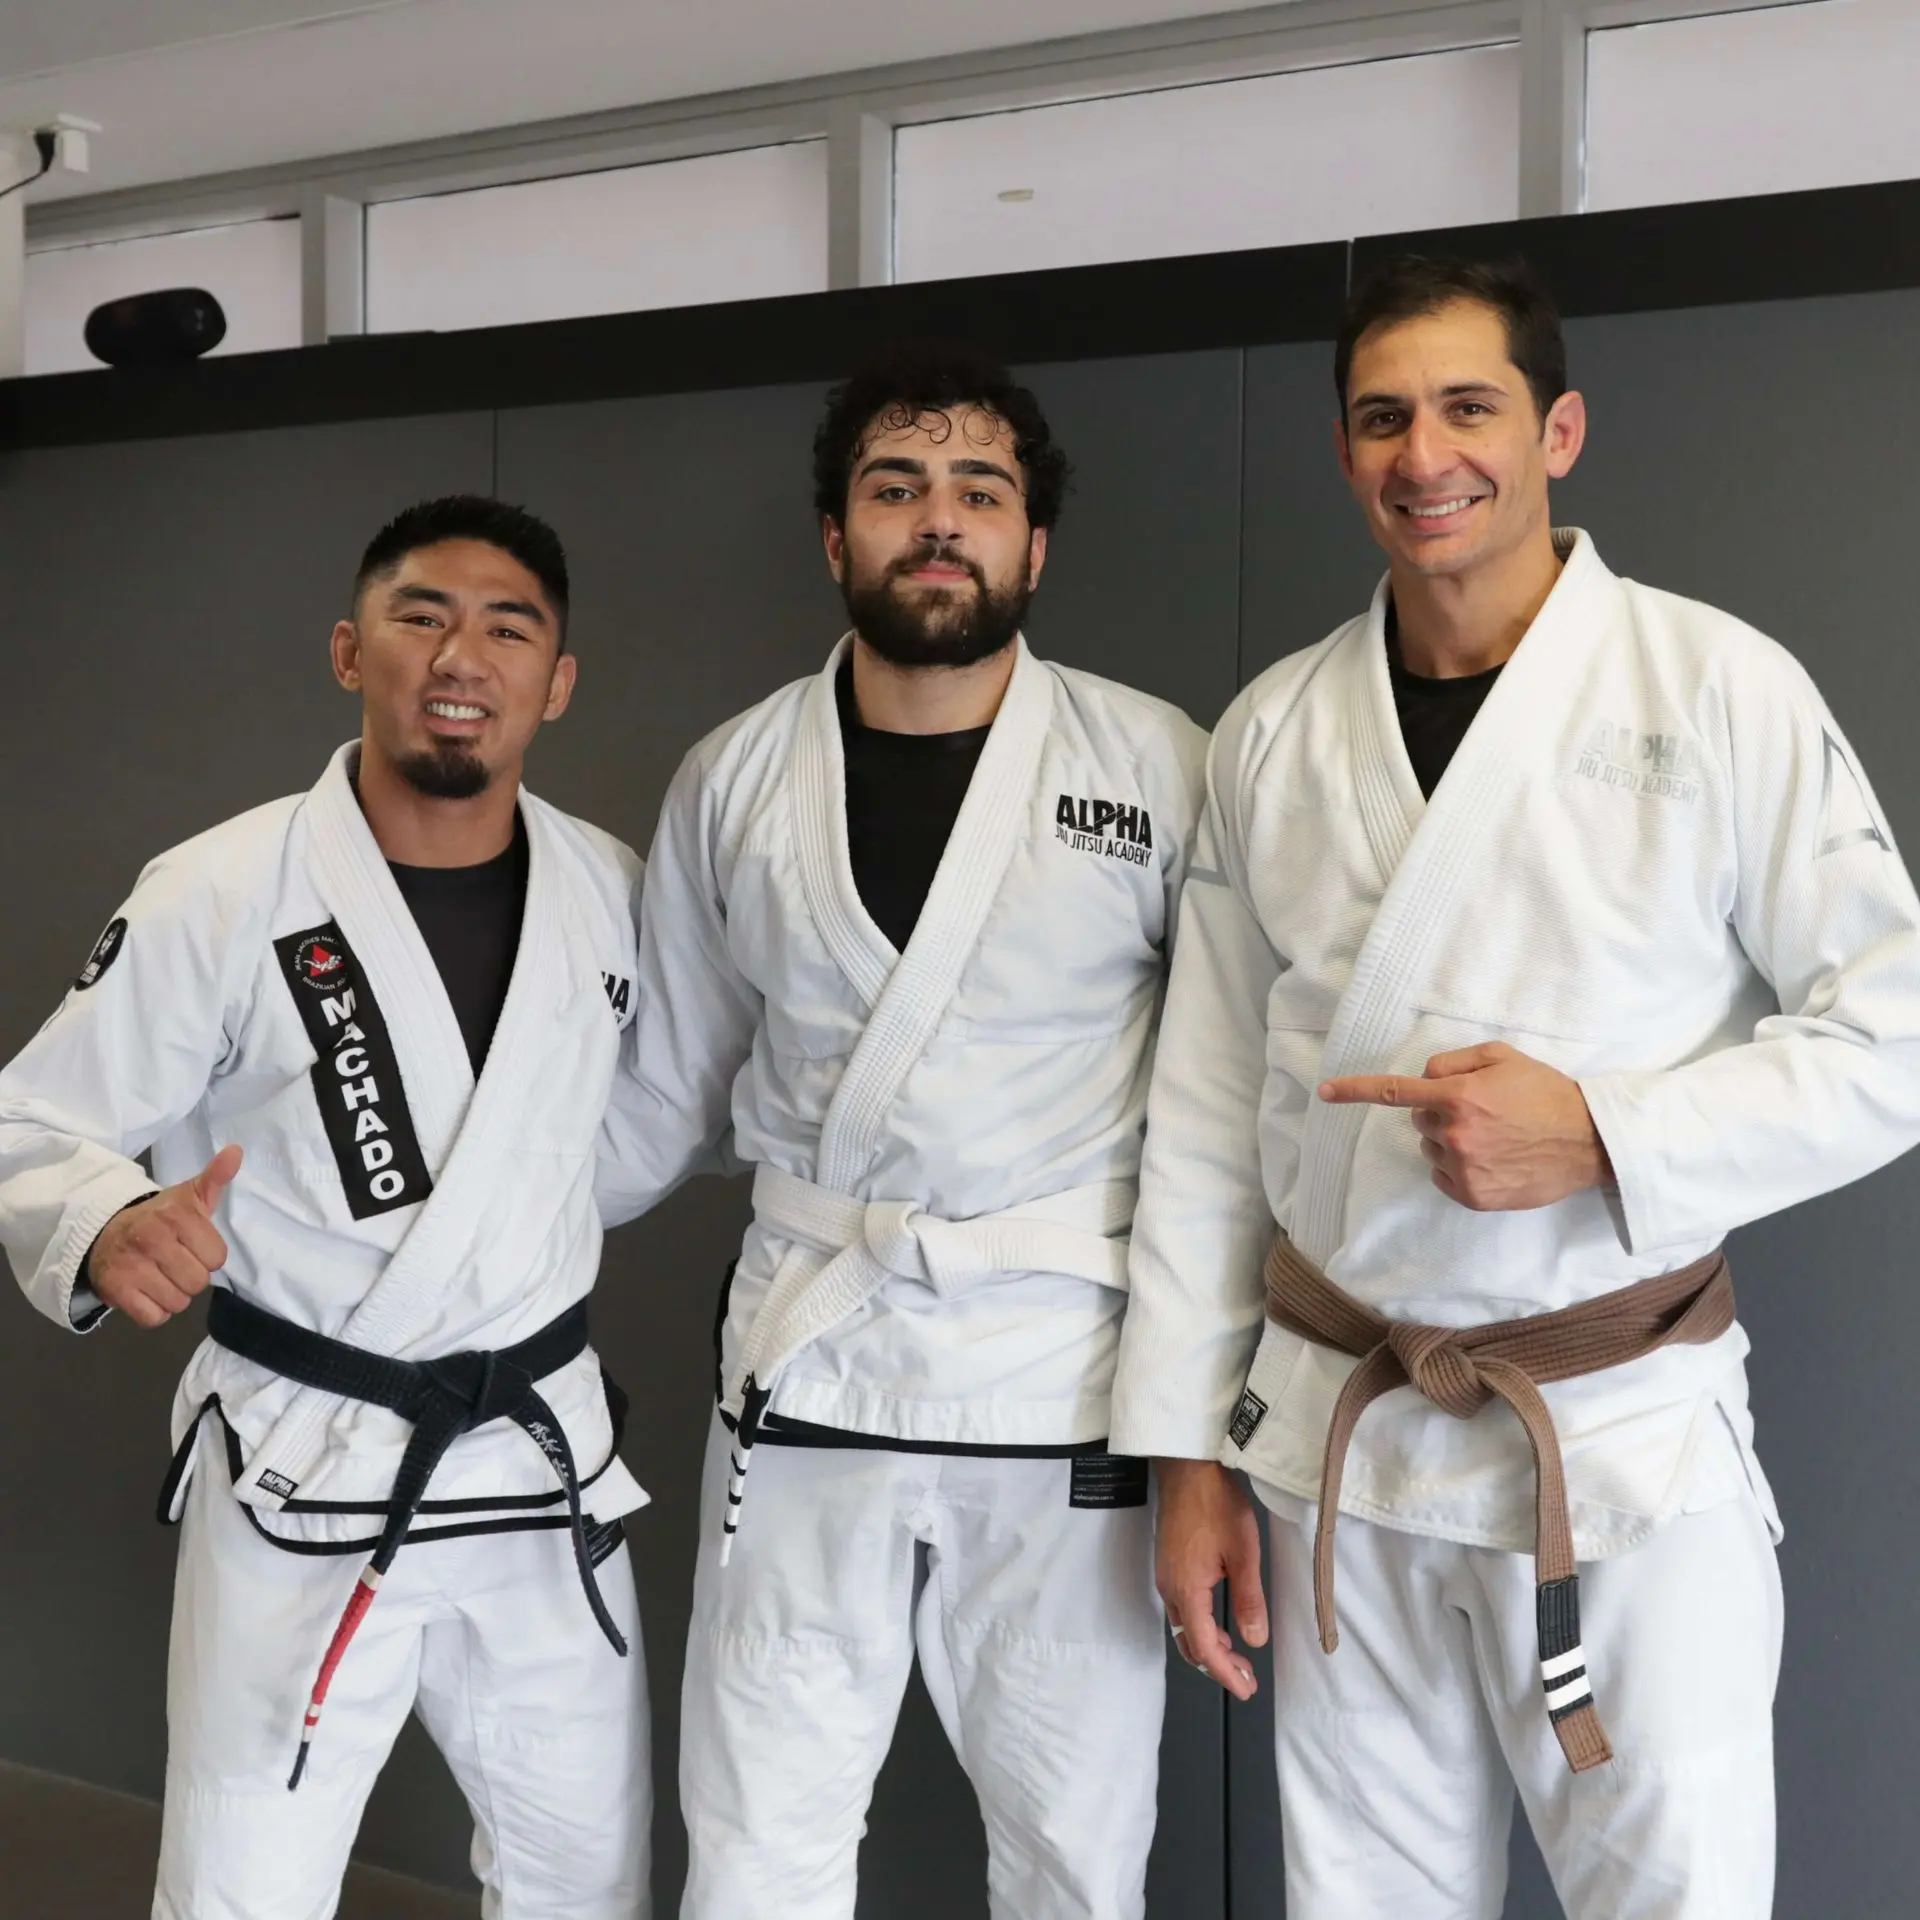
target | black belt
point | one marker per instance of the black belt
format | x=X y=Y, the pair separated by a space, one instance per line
x=442 y=1399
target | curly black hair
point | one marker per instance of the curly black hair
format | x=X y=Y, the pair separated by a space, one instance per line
x=914 y=377
x=470 y=516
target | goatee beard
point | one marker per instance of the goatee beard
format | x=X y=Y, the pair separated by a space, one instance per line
x=450 y=772
x=947 y=628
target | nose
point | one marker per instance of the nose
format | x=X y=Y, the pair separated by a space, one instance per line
x=458 y=656
x=939 y=518
x=1426 y=452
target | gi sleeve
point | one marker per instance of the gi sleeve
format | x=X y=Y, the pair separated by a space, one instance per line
x=1200 y=1233
x=1828 y=1088
x=127 y=1056
x=695 y=1017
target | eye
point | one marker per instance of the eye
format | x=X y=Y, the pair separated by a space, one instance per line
x=418 y=620
x=1386 y=420
x=980 y=497
x=508 y=633
x=1473 y=407
x=894 y=492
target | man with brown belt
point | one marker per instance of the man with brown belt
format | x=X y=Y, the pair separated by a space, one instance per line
x=1541 y=928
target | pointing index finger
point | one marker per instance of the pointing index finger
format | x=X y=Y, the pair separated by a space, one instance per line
x=1385 y=1090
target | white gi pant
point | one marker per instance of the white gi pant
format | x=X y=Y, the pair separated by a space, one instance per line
x=1040 y=1640
x=1400 y=1752
x=488 y=1638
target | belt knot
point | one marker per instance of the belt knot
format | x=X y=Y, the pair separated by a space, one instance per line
x=1439 y=1367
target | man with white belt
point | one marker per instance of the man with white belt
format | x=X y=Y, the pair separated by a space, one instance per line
x=905 y=931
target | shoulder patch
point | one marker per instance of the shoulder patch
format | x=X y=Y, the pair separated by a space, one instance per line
x=106 y=950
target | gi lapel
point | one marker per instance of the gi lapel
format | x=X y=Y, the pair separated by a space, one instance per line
x=907 y=996
x=1427 y=857
x=466 y=1127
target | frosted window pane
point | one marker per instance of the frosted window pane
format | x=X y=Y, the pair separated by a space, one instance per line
x=1427 y=141
x=1819 y=95
x=725 y=226
x=253 y=270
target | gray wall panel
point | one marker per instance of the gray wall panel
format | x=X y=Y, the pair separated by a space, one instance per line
x=169 y=605
x=699 y=588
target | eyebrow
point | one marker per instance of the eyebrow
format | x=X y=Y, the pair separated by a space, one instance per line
x=439 y=597
x=899 y=463
x=1460 y=389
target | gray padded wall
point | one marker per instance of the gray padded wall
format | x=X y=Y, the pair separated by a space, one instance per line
x=169 y=604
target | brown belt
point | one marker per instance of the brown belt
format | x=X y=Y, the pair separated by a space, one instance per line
x=1460 y=1369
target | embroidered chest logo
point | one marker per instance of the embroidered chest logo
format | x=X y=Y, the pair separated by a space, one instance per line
x=356 y=1078
x=1665 y=766
x=1108 y=828
x=619 y=993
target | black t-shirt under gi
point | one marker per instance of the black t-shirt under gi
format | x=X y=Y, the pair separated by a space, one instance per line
x=470 y=919
x=1434 y=714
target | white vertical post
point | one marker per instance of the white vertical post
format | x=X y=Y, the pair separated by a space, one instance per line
x=333 y=267
x=859 y=197
x=19 y=157
x=1553 y=107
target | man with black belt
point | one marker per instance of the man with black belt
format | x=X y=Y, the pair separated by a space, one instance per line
x=906 y=933
x=1542 y=928
x=368 y=1034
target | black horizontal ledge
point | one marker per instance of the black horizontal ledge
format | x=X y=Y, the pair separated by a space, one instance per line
x=1709 y=253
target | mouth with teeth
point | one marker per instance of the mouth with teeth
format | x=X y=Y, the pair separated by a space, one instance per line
x=1434 y=512
x=461 y=718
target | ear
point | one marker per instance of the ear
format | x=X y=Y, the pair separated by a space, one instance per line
x=344 y=648
x=1036 y=556
x=566 y=670
x=1342 y=452
x=833 y=537
x=1565 y=434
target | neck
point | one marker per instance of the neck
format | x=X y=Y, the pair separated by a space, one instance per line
x=1457 y=624
x=420 y=831
x=895 y=699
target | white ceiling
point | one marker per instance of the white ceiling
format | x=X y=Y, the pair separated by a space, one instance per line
x=186 y=87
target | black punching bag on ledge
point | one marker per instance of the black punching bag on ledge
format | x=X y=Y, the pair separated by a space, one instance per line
x=165 y=329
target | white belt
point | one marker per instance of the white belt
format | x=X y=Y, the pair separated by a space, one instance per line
x=845 y=1250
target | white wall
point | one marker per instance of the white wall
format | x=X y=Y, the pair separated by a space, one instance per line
x=726 y=226
x=1818 y=95
x=1277 y=161
x=253 y=270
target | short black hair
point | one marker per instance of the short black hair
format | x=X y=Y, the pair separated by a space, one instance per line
x=908 y=378
x=1410 y=285
x=470 y=516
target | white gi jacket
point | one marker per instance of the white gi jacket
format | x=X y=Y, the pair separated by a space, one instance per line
x=947 y=1140
x=385 y=1198
x=1653 y=863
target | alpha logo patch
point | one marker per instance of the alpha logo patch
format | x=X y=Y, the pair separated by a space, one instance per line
x=1246 y=1418
x=106 y=950
x=619 y=993
x=1111 y=828
x=279 y=1484
x=356 y=1075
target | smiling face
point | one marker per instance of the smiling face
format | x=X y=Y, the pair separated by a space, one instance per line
x=936 y=558
x=1443 y=444
x=456 y=656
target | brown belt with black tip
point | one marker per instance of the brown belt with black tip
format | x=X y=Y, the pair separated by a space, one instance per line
x=1460 y=1369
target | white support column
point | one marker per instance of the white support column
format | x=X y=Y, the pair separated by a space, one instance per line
x=859 y=197
x=333 y=267
x=18 y=158
x=1553 y=107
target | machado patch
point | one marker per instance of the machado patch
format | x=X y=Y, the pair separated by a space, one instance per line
x=1246 y=1418
x=1108 y=1480
x=356 y=1079
x=106 y=950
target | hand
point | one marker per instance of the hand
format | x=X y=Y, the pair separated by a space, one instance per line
x=1502 y=1130
x=150 y=1259
x=1207 y=1533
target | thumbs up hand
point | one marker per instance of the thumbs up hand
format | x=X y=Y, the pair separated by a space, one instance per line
x=150 y=1259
